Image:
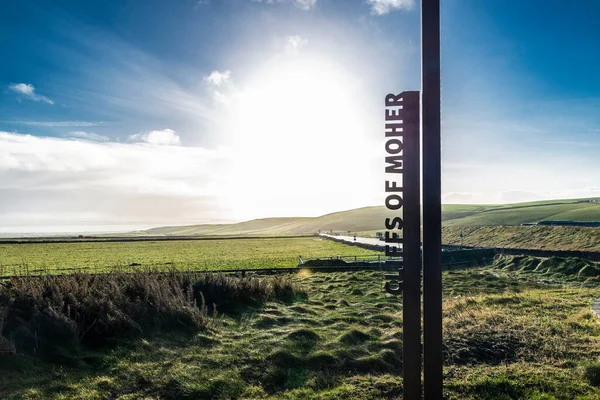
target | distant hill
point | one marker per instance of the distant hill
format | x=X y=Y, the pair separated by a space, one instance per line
x=371 y=219
x=521 y=213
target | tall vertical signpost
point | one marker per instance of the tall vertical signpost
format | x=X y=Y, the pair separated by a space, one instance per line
x=403 y=196
x=432 y=200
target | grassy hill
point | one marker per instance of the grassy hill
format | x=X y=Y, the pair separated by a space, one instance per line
x=516 y=214
x=360 y=219
x=524 y=237
x=371 y=219
x=267 y=226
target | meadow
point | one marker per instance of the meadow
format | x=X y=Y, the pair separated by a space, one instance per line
x=556 y=238
x=525 y=237
x=20 y=258
x=520 y=328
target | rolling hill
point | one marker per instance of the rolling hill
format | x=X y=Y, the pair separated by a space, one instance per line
x=371 y=219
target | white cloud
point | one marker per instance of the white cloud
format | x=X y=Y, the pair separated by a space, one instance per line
x=218 y=78
x=57 y=181
x=27 y=90
x=305 y=4
x=87 y=136
x=294 y=43
x=30 y=153
x=382 y=7
x=166 y=137
x=222 y=98
x=23 y=88
x=222 y=87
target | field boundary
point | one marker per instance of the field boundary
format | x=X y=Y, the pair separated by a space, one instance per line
x=243 y=272
x=266 y=271
x=450 y=259
x=515 y=251
x=110 y=239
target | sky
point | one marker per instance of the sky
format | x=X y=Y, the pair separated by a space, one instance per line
x=121 y=115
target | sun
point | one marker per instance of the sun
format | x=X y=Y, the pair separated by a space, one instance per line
x=309 y=102
x=290 y=129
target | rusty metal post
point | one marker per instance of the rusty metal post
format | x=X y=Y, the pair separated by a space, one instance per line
x=432 y=208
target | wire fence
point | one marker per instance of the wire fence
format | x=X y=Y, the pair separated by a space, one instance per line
x=366 y=258
x=331 y=263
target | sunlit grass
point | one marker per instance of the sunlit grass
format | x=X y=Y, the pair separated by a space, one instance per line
x=507 y=335
x=525 y=237
x=35 y=258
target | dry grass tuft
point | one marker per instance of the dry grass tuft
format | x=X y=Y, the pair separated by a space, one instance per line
x=48 y=314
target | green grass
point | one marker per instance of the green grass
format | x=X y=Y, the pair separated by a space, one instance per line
x=525 y=237
x=53 y=315
x=264 y=226
x=508 y=334
x=515 y=214
x=370 y=219
x=360 y=219
x=188 y=254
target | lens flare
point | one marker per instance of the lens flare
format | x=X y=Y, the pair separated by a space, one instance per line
x=304 y=273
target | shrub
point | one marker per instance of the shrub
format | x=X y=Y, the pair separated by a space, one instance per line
x=592 y=373
x=47 y=314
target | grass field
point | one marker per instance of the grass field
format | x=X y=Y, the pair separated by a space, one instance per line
x=515 y=214
x=525 y=237
x=185 y=254
x=522 y=237
x=509 y=333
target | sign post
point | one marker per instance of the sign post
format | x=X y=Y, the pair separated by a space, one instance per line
x=432 y=205
x=402 y=132
x=403 y=195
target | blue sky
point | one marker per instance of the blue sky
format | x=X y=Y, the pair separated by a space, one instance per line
x=521 y=99
x=130 y=114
